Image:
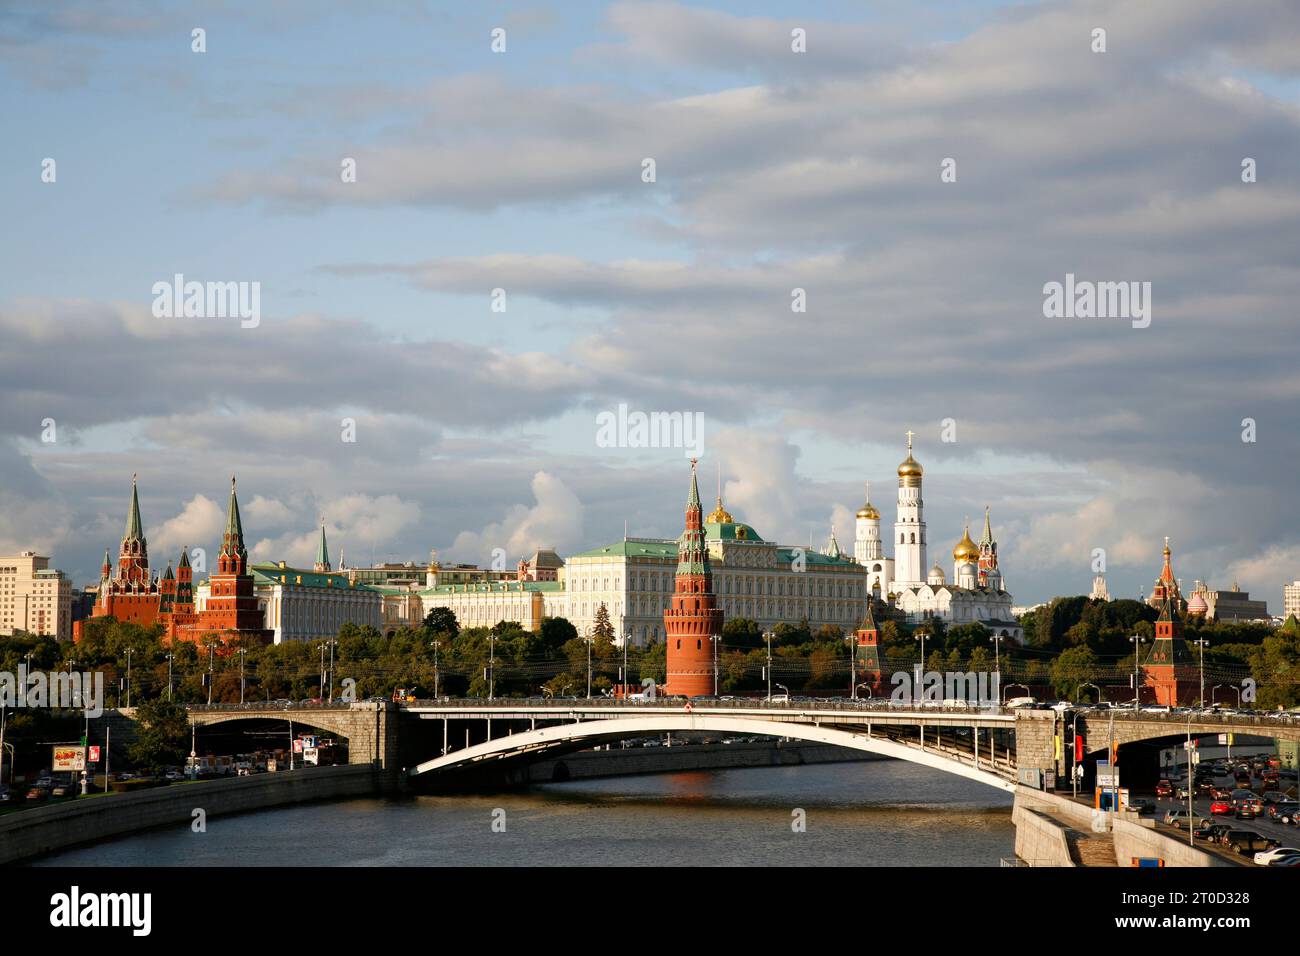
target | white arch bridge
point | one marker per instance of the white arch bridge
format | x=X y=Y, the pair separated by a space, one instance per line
x=979 y=744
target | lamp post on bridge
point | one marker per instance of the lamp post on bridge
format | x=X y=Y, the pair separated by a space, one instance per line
x=1138 y=641
x=436 y=645
x=1202 y=643
x=716 y=640
x=767 y=636
x=919 y=634
x=997 y=657
x=853 y=667
x=588 y=637
x=622 y=675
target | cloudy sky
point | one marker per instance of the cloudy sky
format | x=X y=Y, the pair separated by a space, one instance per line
x=774 y=170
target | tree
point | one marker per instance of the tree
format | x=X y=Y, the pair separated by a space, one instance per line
x=1072 y=667
x=162 y=738
x=603 y=630
x=442 y=620
x=556 y=632
x=743 y=633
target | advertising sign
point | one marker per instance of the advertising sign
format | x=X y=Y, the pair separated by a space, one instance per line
x=69 y=758
x=94 y=755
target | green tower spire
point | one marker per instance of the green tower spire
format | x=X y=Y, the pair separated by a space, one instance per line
x=322 y=549
x=232 y=542
x=134 y=531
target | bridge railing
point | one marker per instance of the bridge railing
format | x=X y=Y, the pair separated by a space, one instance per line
x=739 y=703
x=263 y=705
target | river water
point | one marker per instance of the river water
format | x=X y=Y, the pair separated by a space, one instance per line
x=878 y=813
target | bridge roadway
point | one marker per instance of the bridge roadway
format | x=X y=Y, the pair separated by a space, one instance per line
x=959 y=740
x=987 y=744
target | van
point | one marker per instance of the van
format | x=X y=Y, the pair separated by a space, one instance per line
x=1021 y=702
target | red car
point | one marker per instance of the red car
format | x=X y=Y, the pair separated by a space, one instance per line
x=1164 y=789
x=1221 y=807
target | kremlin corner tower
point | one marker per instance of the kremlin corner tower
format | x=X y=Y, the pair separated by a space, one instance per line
x=693 y=619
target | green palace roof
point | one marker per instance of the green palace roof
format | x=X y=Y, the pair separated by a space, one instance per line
x=297 y=577
x=632 y=549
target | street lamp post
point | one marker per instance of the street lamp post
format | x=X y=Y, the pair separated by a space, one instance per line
x=997 y=657
x=1078 y=690
x=241 y=675
x=853 y=668
x=1137 y=688
x=716 y=640
x=170 y=656
x=920 y=634
x=492 y=666
x=1202 y=643
x=128 y=676
x=210 y=681
x=590 y=639
x=436 y=645
x=767 y=635
x=625 y=677
x=332 y=642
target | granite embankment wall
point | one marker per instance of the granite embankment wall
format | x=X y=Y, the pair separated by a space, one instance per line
x=1044 y=821
x=29 y=833
x=1135 y=837
x=639 y=760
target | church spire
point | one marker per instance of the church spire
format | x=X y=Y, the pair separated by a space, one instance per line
x=693 y=497
x=322 y=550
x=134 y=531
x=986 y=538
x=234 y=556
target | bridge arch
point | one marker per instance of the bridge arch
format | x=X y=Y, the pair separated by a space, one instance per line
x=543 y=741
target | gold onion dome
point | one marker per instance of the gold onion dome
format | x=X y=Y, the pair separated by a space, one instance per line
x=720 y=515
x=965 y=549
x=910 y=468
x=869 y=511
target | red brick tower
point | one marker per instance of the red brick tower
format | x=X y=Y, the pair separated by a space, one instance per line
x=232 y=602
x=130 y=594
x=1170 y=669
x=867 y=654
x=180 y=598
x=693 y=618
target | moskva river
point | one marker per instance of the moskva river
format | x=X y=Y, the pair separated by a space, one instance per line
x=879 y=813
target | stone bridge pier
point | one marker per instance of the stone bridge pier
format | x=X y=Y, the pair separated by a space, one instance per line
x=371 y=728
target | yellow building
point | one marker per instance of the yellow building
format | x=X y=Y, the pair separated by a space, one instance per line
x=34 y=598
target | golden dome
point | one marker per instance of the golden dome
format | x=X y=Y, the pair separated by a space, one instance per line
x=910 y=468
x=869 y=511
x=965 y=549
x=720 y=515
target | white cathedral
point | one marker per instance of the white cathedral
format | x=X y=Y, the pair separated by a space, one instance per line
x=977 y=592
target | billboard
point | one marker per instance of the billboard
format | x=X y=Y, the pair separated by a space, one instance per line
x=69 y=758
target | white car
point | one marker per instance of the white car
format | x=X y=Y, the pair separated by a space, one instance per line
x=1265 y=857
x=1021 y=702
